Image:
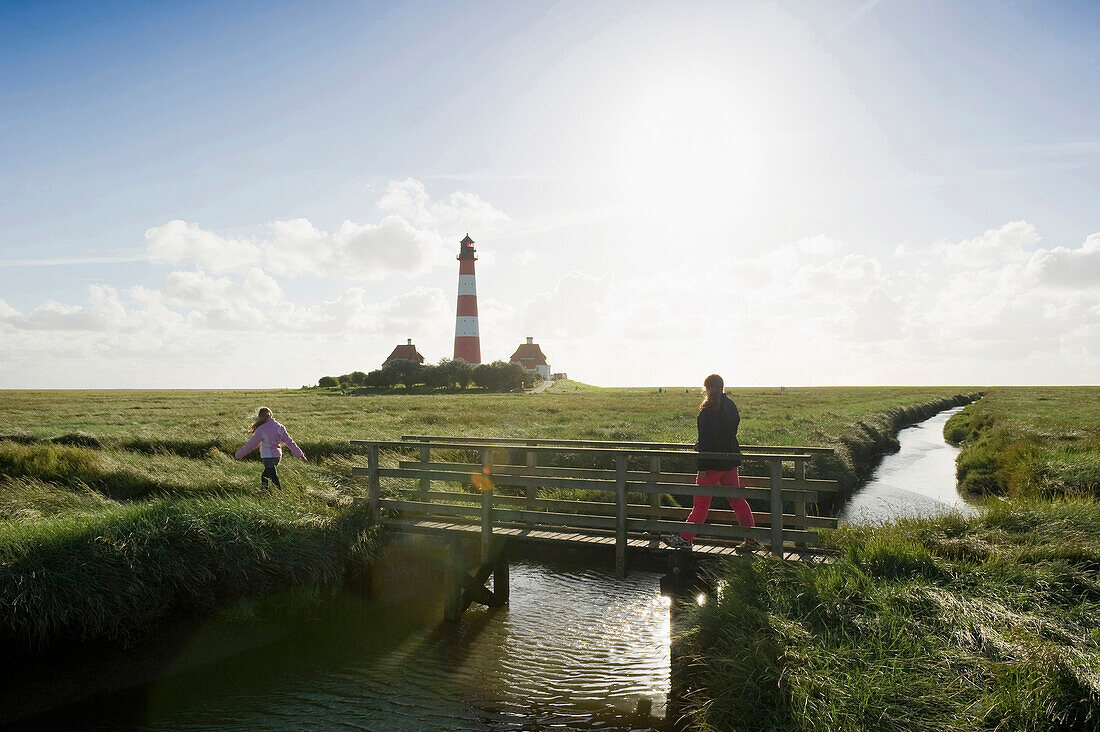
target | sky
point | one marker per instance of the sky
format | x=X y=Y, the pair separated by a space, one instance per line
x=245 y=194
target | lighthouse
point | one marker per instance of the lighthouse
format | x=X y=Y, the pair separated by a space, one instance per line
x=467 y=338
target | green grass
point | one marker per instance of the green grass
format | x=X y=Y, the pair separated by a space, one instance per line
x=78 y=566
x=102 y=544
x=124 y=508
x=990 y=623
x=1030 y=441
x=860 y=423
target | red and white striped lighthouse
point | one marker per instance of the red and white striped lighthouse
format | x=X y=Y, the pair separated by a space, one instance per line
x=467 y=339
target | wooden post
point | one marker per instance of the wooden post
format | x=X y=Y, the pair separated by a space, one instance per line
x=425 y=481
x=486 y=508
x=501 y=590
x=452 y=597
x=655 y=477
x=777 y=505
x=532 y=491
x=800 y=504
x=620 y=516
x=374 y=486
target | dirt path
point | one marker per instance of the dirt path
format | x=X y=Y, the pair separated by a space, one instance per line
x=546 y=384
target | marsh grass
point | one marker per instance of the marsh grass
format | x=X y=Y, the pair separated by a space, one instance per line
x=77 y=565
x=99 y=544
x=990 y=622
x=122 y=509
x=1029 y=441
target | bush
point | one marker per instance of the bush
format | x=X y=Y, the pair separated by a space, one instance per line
x=499 y=376
x=327 y=381
x=404 y=371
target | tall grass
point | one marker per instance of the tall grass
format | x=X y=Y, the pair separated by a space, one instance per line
x=859 y=423
x=990 y=622
x=118 y=509
x=101 y=544
x=1030 y=441
x=75 y=565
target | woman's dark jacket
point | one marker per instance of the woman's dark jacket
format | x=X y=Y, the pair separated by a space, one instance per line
x=718 y=433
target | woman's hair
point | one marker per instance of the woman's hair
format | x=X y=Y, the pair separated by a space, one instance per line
x=262 y=416
x=714 y=385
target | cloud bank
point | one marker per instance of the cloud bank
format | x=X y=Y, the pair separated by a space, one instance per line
x=994 y=308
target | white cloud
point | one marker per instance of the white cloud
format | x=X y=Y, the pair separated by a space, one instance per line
x=994 y=247
x=459 y=213
x=178 y=241
x=407 y=242
x=813 y=311
x=392 y=247
x=1062 y=267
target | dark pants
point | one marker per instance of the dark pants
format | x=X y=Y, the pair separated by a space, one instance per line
x=269 y=472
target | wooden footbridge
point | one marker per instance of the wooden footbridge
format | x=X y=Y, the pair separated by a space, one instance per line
x=502 y=494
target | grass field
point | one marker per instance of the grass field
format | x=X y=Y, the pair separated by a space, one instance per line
x=1030 y=441
x=983 y=623
x=859 y=422
x=120 y=508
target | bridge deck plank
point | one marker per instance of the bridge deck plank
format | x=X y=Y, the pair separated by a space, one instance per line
x=522 y=533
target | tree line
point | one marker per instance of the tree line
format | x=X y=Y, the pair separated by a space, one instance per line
x=446 y=375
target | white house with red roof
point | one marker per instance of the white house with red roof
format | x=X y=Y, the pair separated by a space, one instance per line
x=530 y=356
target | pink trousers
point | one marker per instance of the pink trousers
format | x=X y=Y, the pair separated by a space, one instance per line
x=701 y=504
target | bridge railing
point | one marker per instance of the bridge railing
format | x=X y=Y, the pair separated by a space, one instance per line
x=500 y=483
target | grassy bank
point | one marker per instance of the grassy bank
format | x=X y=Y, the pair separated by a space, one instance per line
x=990 y=622
x=121 y=509
x=938 y=624
x=1030 y=441
x=101 y=545
x=79 y=566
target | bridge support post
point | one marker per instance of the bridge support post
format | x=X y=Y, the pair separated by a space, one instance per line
x=532 y=491
x=800 y=504
x=374 y=487
x=655 y=477
x=425 y=481
x=620 y=516
x=466 y=587
x=486 y=508
x=777 y=505
x=501 y=587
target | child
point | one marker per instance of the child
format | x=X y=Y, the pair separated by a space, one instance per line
x=269 y=435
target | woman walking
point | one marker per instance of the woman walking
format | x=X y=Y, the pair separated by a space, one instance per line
x=270 y=436
x=717 y=423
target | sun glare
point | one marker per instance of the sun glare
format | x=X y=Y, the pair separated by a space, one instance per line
x=692 y=147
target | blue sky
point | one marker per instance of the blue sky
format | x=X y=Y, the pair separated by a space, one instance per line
x=784 y=192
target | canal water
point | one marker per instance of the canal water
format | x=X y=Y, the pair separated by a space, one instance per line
x=918 y=480
x=576 y=649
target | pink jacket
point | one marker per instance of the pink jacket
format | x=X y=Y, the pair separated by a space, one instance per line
x=269 y=436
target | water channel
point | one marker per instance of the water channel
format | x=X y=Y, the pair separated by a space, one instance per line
x=917 y=480
x=576 y=648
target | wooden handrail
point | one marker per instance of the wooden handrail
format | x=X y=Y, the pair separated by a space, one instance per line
x=537 y=442
x=397 y=444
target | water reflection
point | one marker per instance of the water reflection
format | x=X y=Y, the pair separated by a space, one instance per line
x=576 y=649
x=918 y=480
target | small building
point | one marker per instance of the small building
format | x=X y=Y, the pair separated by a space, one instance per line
x=407 y=351
x=530 y=356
